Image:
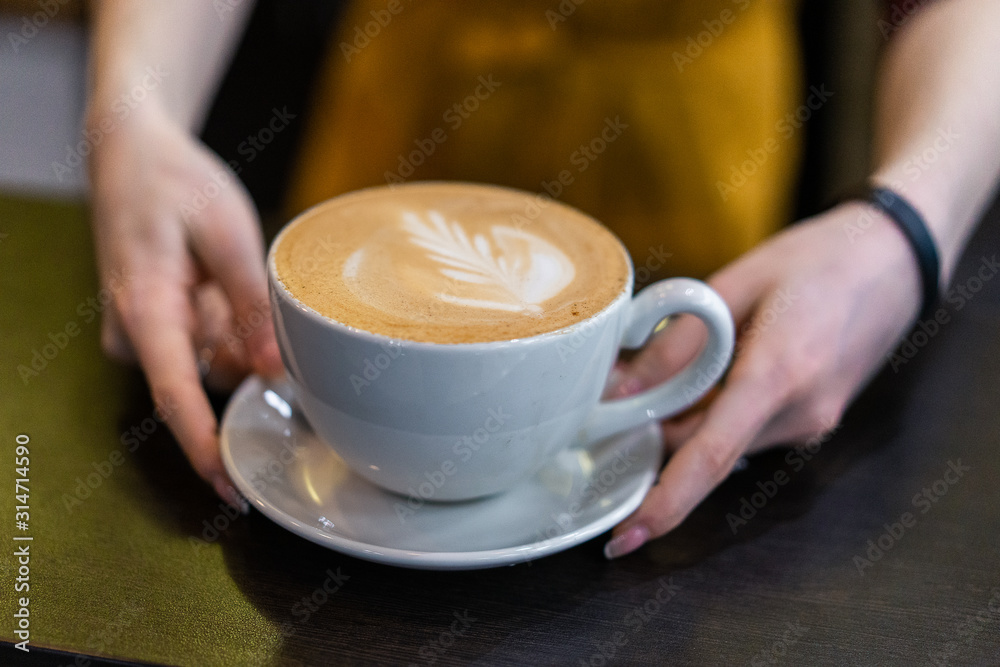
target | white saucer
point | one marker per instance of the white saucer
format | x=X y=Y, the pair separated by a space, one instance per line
x=297 y=480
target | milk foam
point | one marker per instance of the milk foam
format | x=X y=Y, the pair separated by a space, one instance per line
x=503 y=269
x=450 y=263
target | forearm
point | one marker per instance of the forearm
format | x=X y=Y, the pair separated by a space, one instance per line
x=937 y=118
x=187 y=42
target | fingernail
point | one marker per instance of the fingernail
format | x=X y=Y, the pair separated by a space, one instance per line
x=627 y=542
x=205 y=356
x=629 y=387
x=270 y=359
x=234 y=498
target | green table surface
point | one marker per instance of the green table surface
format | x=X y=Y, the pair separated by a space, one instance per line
x=114 y=571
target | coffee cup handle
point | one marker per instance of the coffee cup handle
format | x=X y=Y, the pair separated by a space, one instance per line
x=646 y=310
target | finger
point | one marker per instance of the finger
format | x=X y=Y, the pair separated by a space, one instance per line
x=679 y=430
x=220 y=369
x=614 y=381
x=223 y=360
x=666 y=353
x=158 y=318
x=738 y=284
x=809 y=419
x=741 y=285
x=227 y=238
x=114 y=341
x=753 y=394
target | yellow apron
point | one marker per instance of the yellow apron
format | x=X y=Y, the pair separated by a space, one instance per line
x=664 y=120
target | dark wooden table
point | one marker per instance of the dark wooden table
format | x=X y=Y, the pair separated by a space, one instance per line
x=882 y=546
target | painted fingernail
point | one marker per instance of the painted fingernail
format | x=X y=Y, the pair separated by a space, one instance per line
x=270 y=359
x=627 y=542
x=205 y=357
x=629 y=387
x=235 y=499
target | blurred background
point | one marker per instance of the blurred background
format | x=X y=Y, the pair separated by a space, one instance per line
x=43 y=73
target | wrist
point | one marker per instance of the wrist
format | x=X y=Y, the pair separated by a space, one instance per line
x=882 y=252
x=940 y=202
x=911 y=223
x=115 y=99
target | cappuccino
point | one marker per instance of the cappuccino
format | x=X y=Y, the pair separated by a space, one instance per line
x=450 y=263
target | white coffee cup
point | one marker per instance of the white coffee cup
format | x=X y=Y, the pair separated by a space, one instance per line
x=449 y=422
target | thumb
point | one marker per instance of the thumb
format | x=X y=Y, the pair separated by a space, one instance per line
x=264 y=355
x=229 y=242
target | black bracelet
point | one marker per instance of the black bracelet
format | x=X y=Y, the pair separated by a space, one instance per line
x=912 y=224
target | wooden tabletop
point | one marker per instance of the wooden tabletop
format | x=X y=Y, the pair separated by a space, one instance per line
x=880 y=545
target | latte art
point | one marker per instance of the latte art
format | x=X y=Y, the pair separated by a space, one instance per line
x=450 y=263
x=504 y=269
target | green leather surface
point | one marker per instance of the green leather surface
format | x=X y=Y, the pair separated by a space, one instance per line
x=115 y=574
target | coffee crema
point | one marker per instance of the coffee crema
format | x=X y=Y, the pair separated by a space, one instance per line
x=450 y=262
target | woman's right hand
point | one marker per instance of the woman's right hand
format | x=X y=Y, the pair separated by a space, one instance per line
x=179 y=245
